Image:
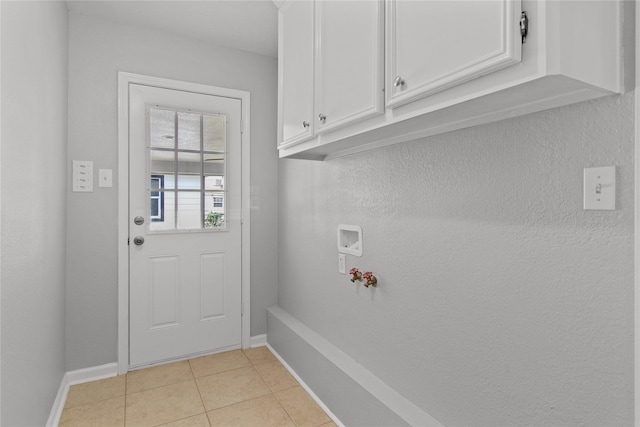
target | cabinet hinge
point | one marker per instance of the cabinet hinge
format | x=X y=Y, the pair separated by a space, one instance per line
x=524 y=26
x=128 y=243
x=241 y=126
x=242 y=308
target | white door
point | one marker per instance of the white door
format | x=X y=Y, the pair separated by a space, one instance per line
x=185 y=219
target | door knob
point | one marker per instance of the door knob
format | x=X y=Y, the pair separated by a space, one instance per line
x=138 y=240
x=138 y=220
x=322 y=118
x=306 y=124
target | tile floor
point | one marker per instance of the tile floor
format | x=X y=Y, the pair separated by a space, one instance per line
x=244 y=388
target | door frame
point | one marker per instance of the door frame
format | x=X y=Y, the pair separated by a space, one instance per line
x=124 y=80
x=636 y=232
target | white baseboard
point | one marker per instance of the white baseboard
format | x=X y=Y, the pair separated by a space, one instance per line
x=306 y=387
x=259 y=340
x=78 y=376
x=94 y=373
x=58 y=403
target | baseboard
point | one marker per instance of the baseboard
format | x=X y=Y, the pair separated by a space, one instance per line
x=351 y=392
x=58 y=403
x=259 y=340
x=94 y=373
x=304 y=385
x=78 y=376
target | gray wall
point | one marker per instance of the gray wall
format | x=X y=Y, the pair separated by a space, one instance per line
x=500 y=302
x=98 y=49
x=34 y=118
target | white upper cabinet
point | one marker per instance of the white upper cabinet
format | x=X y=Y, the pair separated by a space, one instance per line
x=295 y=91
x=434 y=45
x=349 y=62
x=450 y=64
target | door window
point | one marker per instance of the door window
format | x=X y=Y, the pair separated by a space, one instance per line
x=187 y=161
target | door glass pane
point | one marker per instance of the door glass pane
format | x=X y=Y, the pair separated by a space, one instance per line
x=165 y=205
x=156 y=213
x=163 y=164
x=215 y=133
x=214 y=182
x=189 y=216
x=188 y=131
x=214 y=171
x=162 y=128
x=214 y=210
x=189 y=171
x=186 y=175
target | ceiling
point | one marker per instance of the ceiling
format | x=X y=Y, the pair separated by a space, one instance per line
x=250 y=25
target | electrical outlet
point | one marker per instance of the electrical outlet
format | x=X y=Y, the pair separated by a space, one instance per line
x=342 y=264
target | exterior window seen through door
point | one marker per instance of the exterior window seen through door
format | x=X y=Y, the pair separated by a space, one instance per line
x=157 y=198
x=186 y=169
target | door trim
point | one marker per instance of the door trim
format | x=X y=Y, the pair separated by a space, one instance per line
x=124 y=80
x=636 y=249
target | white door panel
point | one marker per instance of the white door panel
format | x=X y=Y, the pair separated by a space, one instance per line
x=296 y=62
x=185 y=279
x=435 y=45
x=349 y=62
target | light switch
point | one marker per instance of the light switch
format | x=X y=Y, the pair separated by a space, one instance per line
x=105 y=178
x=82 y=176
x=600 y=188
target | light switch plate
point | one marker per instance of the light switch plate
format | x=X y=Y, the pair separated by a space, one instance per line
x=82 y=176
x=600 y=188
x=105 y=178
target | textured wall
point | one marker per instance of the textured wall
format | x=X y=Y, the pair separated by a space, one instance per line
x=500 y=300
x=98 y=49
x=34 y=118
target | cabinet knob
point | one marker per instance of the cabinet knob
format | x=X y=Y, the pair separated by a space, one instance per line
x=306 y=124
x=322 y=118
x=398 y=81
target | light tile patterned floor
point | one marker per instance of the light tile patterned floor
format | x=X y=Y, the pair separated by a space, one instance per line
x=244 y=388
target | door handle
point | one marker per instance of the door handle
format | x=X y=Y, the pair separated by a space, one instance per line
x=138 y=240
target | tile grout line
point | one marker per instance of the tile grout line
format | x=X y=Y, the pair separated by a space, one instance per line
x=93 y=402
x=285 y=410
x=193 y=378
x=277 y=362
x=204 y=408
x=161 y=386
x=251 y=365
x=270 y=388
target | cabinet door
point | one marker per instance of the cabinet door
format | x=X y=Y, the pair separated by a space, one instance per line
x=349 y=62
x=437 y=44
x=295 y=41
